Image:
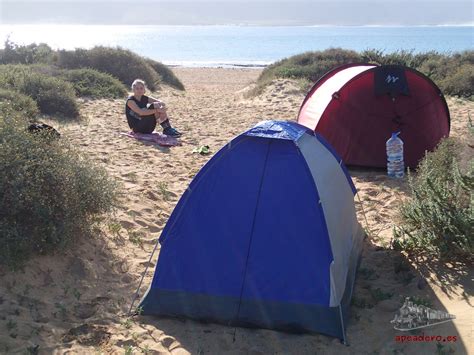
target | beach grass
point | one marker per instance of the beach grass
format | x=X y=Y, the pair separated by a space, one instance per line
x=50 y=193
x=166 y=75
x=95 y=84
x=453 y=73
x=24 y=105
x=438 y=220
x=123 y=64
x=52 y=95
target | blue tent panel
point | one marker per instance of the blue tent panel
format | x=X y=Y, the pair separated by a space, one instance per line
x=290 y=250
x=195 y=264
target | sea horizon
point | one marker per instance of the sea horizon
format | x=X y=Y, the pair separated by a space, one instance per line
x=231 y=24
x=241 y=45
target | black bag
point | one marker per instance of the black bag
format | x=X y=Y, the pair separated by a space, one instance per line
x=39 y=127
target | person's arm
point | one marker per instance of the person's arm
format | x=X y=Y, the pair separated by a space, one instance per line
x=140 y=111
x=152 y=100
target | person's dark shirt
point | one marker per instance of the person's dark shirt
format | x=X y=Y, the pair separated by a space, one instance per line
x=132 y=115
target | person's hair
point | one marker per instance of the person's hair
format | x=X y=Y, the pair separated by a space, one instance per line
x=138 y=82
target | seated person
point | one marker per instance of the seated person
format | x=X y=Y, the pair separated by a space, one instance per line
x=143 y=112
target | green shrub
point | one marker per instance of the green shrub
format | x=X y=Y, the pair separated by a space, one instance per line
x=52 y=95
x=435 y=68
x=439 y=218
x=459 y=82
x=49 y=194
x=401 y=57
x=19 y=103
x=46 y=69
x=120 y=63
x=12 y=75
x=306 y=67
x=310 y=65
x=92 y=83
x=29 y=54
x=74 y=59
x=166 y=74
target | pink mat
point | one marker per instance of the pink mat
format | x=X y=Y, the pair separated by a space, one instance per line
x=158 y=138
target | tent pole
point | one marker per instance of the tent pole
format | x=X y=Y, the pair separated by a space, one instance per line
x=143 y=276
x=344 y=340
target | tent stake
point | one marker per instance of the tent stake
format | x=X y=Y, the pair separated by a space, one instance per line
x=343 y=328
x=363 y=212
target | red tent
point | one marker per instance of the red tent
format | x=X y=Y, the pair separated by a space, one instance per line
x=356 y=107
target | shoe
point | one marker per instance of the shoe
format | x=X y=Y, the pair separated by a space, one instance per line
x=170 y=131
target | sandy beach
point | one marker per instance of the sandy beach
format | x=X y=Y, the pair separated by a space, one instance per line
x=77 y=302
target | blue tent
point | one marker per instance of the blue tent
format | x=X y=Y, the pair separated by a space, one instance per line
x=265 y=235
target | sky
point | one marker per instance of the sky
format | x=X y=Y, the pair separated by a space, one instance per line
x=243 y=12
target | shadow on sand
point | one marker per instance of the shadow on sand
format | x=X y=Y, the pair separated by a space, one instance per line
x=64 y=300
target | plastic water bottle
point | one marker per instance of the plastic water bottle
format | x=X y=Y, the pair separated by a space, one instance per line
x=395 y=164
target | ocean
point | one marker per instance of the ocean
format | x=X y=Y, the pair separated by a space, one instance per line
x=236 y=46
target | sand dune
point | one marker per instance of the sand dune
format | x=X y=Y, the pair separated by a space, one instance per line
x=76 y=302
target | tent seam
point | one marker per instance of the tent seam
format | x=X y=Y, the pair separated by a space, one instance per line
x=252 y=231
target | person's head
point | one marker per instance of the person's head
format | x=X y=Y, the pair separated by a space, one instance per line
x=138 y=87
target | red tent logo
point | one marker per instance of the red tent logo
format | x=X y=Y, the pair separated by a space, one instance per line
x=391 y=79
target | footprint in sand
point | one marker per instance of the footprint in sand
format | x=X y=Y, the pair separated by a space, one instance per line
x=372 y=192
x=141 y=223
x=147 y=264
x=167 y=341
x=84 y=310
x=121 y=267
x=133 y=213
x=88 y=335
x=154 y=229
x=152 y=196
x=126 y=224
x=127 y=279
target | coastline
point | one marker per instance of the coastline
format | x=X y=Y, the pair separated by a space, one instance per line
x=216 y=64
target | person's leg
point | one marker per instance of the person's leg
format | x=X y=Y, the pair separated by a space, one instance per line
x=146 y=125
x=164 y=121
x=132 y=123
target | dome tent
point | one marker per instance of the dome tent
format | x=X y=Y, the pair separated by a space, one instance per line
x=265 y=235
x=356 y=108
